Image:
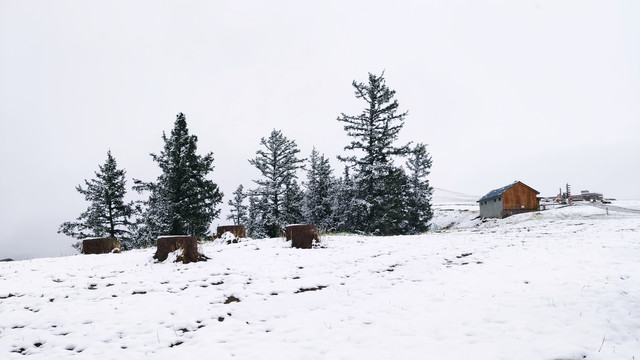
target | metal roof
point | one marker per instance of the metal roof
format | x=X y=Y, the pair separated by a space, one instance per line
x=497 y=192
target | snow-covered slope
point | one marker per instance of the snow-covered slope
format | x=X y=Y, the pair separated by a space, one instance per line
x=453 y=209
x=560 y=284
x=442 y=197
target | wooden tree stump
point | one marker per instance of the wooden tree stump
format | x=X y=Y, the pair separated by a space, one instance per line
x=99 y=245
x=238 y=231
x=302 y=236
x=169 y=244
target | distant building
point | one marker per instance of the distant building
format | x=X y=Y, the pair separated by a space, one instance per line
x=586 y=195
x=508 y=200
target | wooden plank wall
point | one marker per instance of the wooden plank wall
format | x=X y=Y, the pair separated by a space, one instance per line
x=519 y=195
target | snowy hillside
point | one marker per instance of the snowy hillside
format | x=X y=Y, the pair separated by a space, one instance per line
x=453 y=209
x=559 y=284
x=447 y=197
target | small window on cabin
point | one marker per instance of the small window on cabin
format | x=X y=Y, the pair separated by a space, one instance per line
x=499 y=199
x=494 y=200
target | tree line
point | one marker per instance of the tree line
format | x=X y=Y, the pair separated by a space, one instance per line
x=373 y=195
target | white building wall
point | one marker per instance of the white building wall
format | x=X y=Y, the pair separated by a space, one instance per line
x=491 y=208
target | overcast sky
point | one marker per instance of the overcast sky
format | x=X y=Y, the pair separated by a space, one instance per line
x=546 y=92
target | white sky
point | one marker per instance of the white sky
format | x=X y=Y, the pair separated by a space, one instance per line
x=546 y=92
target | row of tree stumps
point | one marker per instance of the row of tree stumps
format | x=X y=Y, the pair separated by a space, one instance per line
x=302 y=236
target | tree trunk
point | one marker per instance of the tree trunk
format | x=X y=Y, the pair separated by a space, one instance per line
x=169 y=244
x=302 y=236
x=99 y=245
x=238 y=231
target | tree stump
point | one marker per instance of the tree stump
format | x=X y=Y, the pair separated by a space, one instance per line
x=99 y=245
x=302 y=236
x=169 y=244
x=238 y=231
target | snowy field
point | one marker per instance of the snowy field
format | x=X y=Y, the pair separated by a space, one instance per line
x=558 y=284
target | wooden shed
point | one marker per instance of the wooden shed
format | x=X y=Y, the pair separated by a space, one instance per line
x=508 y=200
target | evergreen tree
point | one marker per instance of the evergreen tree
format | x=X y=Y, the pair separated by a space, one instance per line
x=255 y=223
x=349 y=211
x=182 y=201
x=293 y=203
x=342 y=203
x=278 y=164
x=389 y=204
x=107 y=215
x=376 y=128
x=318 y=201
x=377 y=180
x=143 y=230
x=419 y=194
x=238 y=208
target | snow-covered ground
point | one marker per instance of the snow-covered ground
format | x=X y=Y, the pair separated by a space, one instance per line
x=558 y=284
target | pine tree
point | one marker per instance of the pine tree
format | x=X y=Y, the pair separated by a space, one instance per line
x=255 y=223
x=182 y=201
x=318 y=201
x=419 y=194
x=377 y=180
x=293 y=203
x=342 y=203
x=238 y=208
x=278 y=164
x=107 y=215
x=143 y=230
x=389 y=205
x=377 y=127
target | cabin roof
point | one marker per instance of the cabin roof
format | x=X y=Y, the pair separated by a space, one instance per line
x=497 y=192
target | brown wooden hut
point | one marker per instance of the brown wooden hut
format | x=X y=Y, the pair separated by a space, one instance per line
x=509 y=200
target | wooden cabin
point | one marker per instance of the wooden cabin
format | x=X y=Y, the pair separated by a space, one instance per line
x=509 y=200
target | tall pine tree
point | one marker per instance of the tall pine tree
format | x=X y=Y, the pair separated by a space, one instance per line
x=378 y=182
x=182 y=201
x=318 y=201
x=107 y=215
x=278 y=164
